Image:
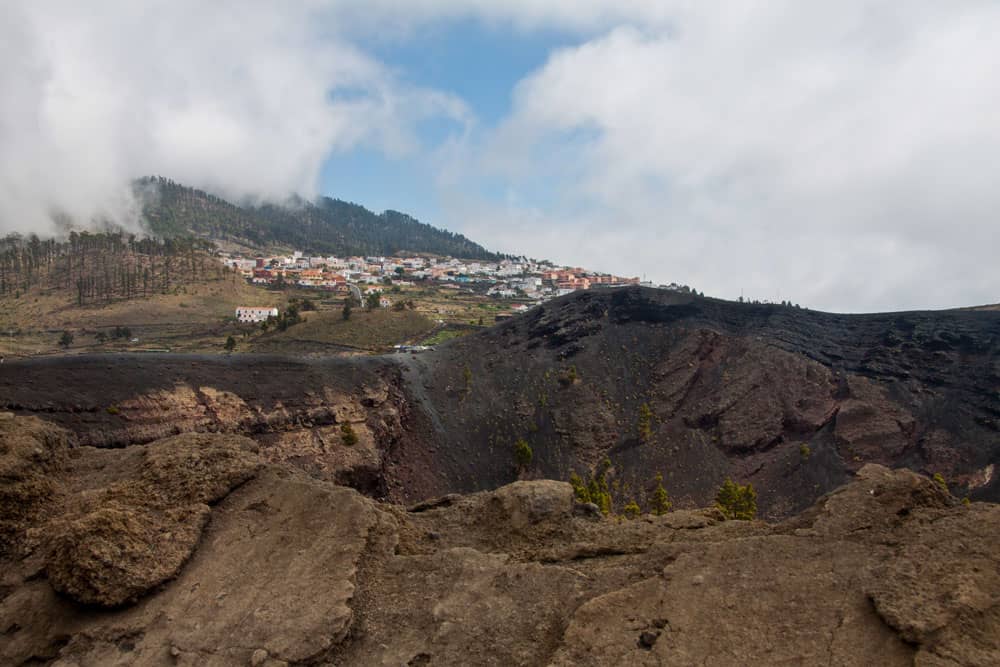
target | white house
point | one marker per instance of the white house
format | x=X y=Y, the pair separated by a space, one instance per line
x=250 y=314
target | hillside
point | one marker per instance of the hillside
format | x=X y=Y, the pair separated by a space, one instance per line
x=327 y=226
x=793 y=401
x=195 y=550
x=112 y=292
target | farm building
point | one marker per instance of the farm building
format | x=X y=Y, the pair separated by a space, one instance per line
x=250 y=314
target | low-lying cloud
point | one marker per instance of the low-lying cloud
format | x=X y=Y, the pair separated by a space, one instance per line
x=841 y=155
x=244 y=98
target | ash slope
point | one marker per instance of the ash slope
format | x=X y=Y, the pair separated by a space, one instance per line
x=793 y=400
x=192 y=551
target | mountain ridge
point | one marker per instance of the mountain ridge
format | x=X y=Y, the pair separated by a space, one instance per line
x=324 y=226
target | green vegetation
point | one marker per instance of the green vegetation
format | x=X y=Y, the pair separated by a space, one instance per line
x=631 y=510
x=595 y=490
x=65 y=340
x=737 y=501
x=346 y=312
x=288 y=318
x=804 y=451
x=939 y=478
x=522 y=454
x=230 y=344
x=372 y=300
x=645 y=423
x=376 y=331
x=112 y=410
x=347 y=434
x=328 y=226
x=467 y=377
x=660 y=503
x=569 y=377
x=444 y=335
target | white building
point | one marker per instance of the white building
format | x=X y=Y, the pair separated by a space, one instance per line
x=250 y=314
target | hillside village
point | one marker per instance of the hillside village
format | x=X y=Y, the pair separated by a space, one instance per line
x=528 y=281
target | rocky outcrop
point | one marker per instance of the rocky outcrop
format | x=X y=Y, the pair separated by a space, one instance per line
x=294 y=409
x=288 y=570
x=30 y=453
x=111 y=544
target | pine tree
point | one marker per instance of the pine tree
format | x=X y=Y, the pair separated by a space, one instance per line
x=631 y=510
x=736 y=501
x=660 y=503
x=522 y=454
x=347 y=434
x=645 y=423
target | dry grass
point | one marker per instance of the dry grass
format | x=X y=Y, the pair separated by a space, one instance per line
x=374 y=331
x=198 y=318
x=192 y=318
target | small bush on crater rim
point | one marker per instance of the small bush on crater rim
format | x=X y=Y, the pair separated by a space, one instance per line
x=737 y=501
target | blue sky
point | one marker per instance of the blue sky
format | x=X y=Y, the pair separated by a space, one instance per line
x=478 y=62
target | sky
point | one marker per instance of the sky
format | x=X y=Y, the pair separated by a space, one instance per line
x=843 y=156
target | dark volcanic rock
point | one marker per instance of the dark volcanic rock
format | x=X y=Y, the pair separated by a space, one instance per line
x=792 y=400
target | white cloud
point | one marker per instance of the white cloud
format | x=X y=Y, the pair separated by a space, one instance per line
x=246 y=98
x=842 y=155
x=838 y=154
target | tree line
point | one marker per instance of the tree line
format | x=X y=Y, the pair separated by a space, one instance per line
x=101 y=267
x=327 y=226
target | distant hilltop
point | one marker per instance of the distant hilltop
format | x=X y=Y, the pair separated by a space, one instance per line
x=326 y=226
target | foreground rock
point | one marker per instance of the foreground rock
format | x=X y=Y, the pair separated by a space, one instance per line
x=887 y=570
x=115 y=542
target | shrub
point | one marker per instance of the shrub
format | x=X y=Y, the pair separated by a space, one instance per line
x=66 y=339
x=631 y=510
x=737 y=501
x=660 y=503
x=595 y=490
x=230 y=344
x=522 y=453
x=804 y=451
x=939 y=478
x=579 y=488
x=569 y=376
x=112 y=410
x=645 y=423
x=347 y=434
